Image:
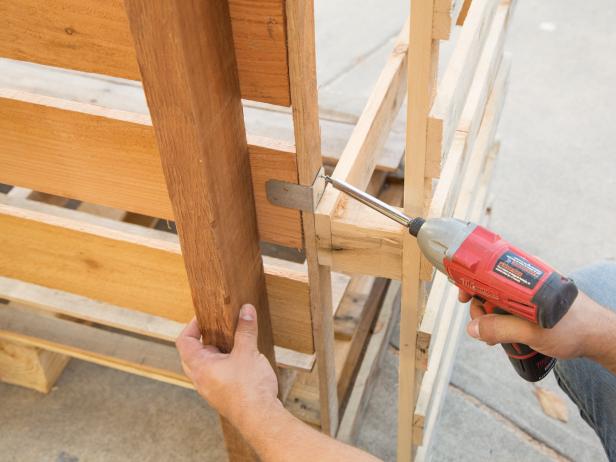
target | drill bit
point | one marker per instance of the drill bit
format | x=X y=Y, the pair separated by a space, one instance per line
x=370 y=201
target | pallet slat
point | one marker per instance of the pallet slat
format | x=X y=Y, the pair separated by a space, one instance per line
x=358 y=160
x=82 y=308
x=457 y=80
x=128 y=354
x=122 y=269
x=436 y=380
x=93 y=36
x=462 y=200
x=109 y=157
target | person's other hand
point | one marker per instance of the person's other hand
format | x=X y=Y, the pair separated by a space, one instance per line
x=563 y=341
x=234 y=382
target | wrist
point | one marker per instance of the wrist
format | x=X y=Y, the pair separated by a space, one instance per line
x=250 y=421
x=596 y=324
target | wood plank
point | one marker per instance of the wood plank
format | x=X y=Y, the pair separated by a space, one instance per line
x=93 y=36
x=457 y=79
x=364 y=241
x=369 y=367
x=358 y=160
x=192 y=88
x=463 y=198
x=83 y=308
x=110 y=157
x=468 y=127
x=302 y=72
x=436 y=380
x=29 y=366
x=351 y=359
x=423 y=66
x=129 y=354
x=445 y=14
x=123 y=269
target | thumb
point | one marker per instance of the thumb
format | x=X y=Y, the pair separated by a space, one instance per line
x=246 y=331
x=494 y=328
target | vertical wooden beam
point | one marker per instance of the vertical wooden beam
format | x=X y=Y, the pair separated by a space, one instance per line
x=423 y=65
x=187 y=60
x=304 y=101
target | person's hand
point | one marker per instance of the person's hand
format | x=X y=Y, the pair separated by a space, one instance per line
x=234 y=382
x=563 y=341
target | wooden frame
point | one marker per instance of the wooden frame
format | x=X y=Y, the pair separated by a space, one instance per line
x=115 y=273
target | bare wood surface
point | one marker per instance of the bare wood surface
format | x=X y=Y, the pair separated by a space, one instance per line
x=446 y=13
x=442 y=336
x=304 y=102
x=202 y=142
x=369 y=367
x=131 y=271
x=119 y=351
x=423 y=59
x=78 y=307
x=94 y=36
x=351 y=357
x=358 y=160
x=110 y=157
x=29 y=366
x=435 y=382
x=457 y=79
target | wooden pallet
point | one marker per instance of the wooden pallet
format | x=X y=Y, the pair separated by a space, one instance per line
x=91 y=277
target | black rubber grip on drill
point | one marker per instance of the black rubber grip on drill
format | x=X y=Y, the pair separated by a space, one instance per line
x=553 y=299
x=415 y=226
x=531 y=365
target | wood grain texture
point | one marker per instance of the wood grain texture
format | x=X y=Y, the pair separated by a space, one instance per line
x=423 y=59
x=93 y=36
x=442 y=323
x=365 y=380
x=457 y=80
x=154 y=360
x=192 y=88
x=445 y=14
x=110 y=157
x=434 y=385
x=29 y=366
x=139 y=273
x=304 y=102
x=358 y=160
x=364 y=313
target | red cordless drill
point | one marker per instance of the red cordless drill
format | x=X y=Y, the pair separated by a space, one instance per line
x=505 y=279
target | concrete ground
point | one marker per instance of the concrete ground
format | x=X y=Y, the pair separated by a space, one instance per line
x=553 y=190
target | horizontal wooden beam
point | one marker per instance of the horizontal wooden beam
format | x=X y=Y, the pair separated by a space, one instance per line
x=109 y=157
x=86 y=309
x=129 y=354
x=453 y=89
x=364 y=242
x=93 y=36
x=130 y=271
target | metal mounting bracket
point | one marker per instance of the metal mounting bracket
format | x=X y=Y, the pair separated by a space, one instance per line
x=296 y=196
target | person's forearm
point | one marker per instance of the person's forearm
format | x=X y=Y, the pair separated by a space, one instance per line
x=276 y=435
x=599 y=333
